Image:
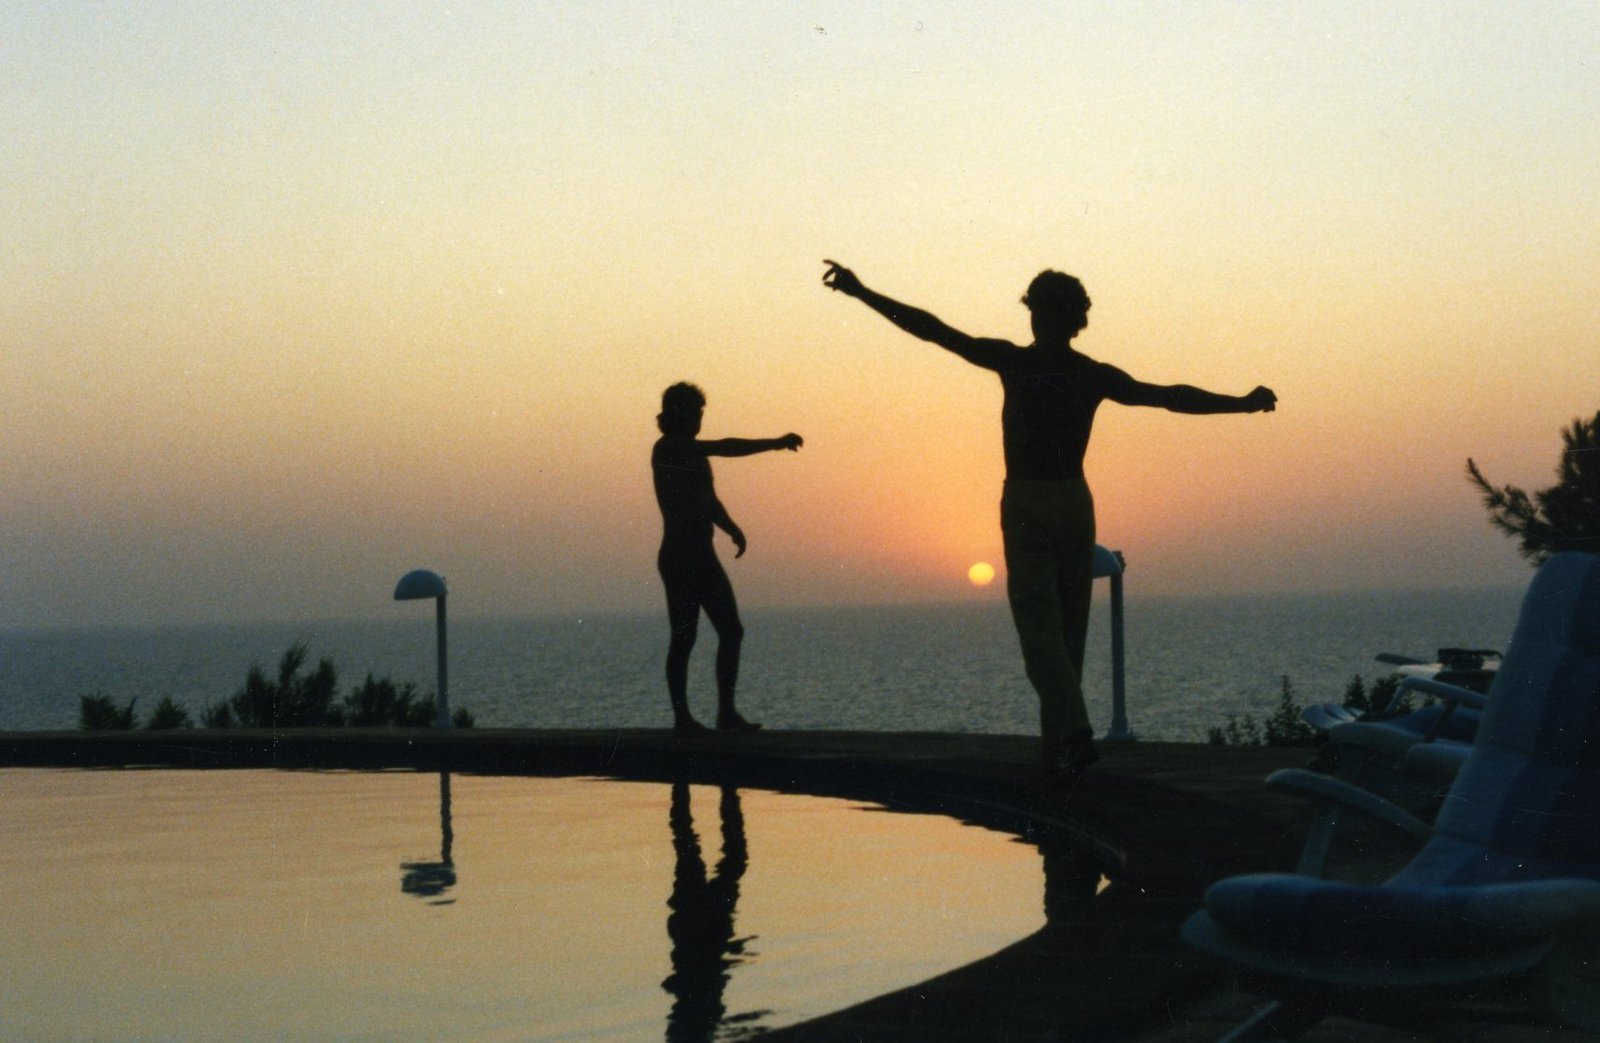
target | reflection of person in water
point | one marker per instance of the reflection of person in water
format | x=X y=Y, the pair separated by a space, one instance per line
x=1046 y=512
x=700 y=923
x=690 y=572
x=1071 y=879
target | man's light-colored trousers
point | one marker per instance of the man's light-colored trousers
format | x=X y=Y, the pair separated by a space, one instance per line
x=1049 y=538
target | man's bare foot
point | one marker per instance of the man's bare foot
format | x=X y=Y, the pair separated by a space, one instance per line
x=732 y=722
x=688 y=728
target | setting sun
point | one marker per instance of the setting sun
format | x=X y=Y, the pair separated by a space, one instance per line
x=981 y=574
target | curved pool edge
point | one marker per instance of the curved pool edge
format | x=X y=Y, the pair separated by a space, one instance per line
x=1169 y=818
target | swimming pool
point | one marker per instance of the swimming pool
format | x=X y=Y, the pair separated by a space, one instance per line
x=256 y=904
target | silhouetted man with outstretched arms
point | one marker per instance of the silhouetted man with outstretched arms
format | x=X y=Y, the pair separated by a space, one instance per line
x=1046 y=511
x=690 y=572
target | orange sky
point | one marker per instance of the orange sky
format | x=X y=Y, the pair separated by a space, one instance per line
x=296 y=302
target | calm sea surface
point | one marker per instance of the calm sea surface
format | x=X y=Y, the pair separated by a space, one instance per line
x=1191 y=662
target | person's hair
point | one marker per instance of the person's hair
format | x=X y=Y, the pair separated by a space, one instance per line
x=678 y=403
x=1054 y=291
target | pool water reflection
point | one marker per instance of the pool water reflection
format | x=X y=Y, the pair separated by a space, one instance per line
x=263 y=905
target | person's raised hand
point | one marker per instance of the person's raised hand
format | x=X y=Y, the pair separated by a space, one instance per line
x=1261 y=400
x=791 y=442
x=840 y=278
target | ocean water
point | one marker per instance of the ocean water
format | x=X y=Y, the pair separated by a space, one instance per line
x=1190 y=662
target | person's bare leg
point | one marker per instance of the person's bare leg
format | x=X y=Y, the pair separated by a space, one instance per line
x=723 y=611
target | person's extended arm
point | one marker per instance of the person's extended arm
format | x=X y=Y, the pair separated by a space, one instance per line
x=1185 y=398
x=915 y=321
x=748 y=446
x=741 y=447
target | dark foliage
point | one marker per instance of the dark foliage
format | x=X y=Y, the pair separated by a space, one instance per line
x=98 y=713
x=1565 y=516
x=168 y=715
x=293 y=700
x=1285 y=726
x=380 y=702
x=297 y=699
x=1238 y=731
x=1374 y=703
x=217 y=715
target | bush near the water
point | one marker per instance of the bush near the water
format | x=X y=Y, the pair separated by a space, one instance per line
x=98 y=713
x=1375 y=704
x=169 y=715
x=1285 y=727
x=381 y=701
x=296 y=700
x=293 y=699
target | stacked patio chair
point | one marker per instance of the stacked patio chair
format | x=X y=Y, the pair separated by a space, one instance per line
x=1498 y=912
x=1410 y=758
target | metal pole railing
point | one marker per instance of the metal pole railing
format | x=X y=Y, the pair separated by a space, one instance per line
x=443 y=698
x=1110 y=563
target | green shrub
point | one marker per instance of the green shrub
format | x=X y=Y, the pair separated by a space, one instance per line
x=1375 y=702
x=293 y=700
x=1237 y=732
x=98 y=713
x=1285 y=727
x=380 y=702
x=169 y=715
x=1566 y=516
x=217 y=715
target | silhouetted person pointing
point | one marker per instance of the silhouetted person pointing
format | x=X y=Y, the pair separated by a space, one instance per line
x=690 y=572
x=1046 y=511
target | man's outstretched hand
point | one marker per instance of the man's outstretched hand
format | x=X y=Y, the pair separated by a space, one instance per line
x=791 y=442
x=1261 y=400
x=840 y=278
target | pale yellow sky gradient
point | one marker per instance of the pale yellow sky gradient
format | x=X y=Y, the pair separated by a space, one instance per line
x=297 y=299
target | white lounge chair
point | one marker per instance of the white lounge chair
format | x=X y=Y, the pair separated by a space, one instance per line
x=1375 y=751
x=1501 y=905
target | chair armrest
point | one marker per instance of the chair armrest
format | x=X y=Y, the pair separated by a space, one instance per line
x=1324 y=789
x=1323 y=716
x=1334 y=797
x=1443 y=690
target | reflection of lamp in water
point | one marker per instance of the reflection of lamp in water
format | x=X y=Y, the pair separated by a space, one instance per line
x=421 y=583
x=432 y=879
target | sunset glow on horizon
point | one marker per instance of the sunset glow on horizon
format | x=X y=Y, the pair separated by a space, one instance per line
x=297 y=299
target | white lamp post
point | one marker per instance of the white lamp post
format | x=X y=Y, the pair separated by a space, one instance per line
x=1108 y=562
x=417 y=584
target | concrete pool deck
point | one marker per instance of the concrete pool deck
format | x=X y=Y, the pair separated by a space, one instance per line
x=1162 y=820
